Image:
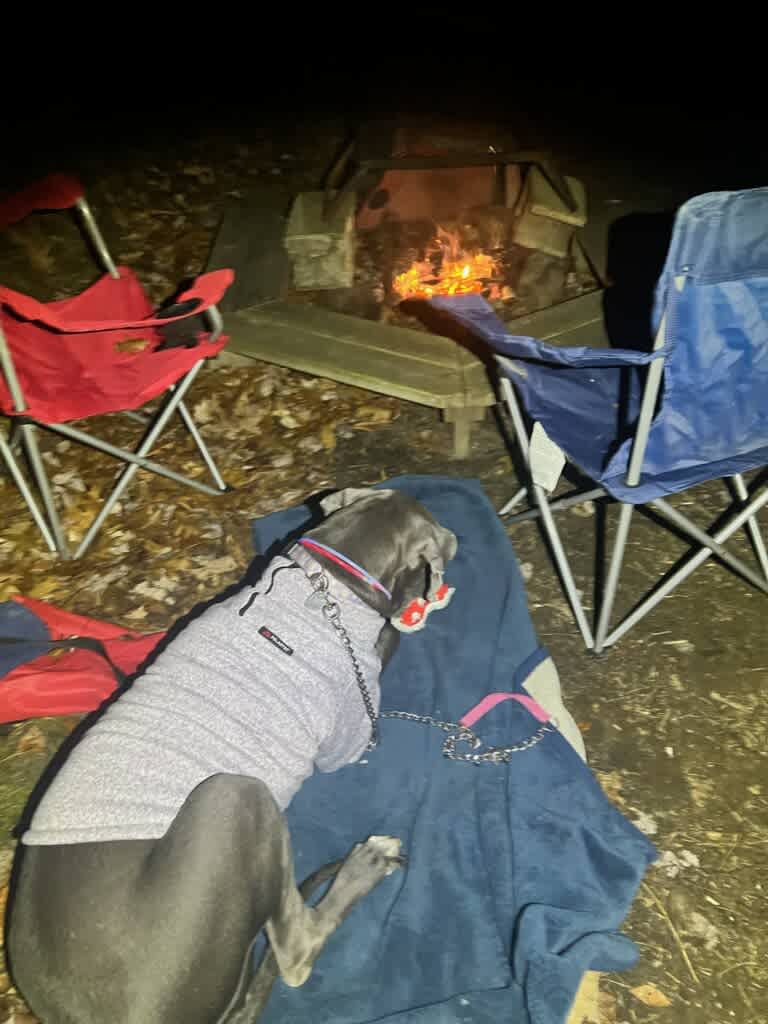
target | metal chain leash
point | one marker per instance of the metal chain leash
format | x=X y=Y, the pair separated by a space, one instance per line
x=461 y=734
x=458 y=733
x=332 y=612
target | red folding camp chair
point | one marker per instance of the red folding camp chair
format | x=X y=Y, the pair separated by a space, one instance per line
x=70 y=360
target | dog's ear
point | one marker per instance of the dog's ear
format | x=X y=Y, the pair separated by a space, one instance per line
x=436 y=548
x=439 y=548
x=340 y=499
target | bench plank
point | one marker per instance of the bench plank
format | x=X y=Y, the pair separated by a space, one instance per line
x=577 y=321
x=412 y=365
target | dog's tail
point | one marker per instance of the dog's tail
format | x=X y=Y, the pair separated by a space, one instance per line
x=253 y=990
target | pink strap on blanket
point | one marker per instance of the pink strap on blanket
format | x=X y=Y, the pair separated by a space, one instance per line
x=492 y=699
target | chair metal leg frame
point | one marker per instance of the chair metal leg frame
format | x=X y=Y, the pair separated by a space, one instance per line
x=614 y=571
x=514 y=500
x=136 y=461
x=752 y=528
x=567 y=501
x=564 y=566
x=683 y=523
x=29 y=438
x=634 y=469
x=125 y=456
x=21 y=483
x=192 y=427
x=96 y=238
x=548 y=520
x=216 y=326
x=690 y=565
x=137 y=417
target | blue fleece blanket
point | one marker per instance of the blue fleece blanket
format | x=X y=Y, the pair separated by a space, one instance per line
x=518 y=876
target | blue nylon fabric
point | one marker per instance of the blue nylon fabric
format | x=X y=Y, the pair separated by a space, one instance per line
x=713 y=417
x=23 y=636
x=519 y=876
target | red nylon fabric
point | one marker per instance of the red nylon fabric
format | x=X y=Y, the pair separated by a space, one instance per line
x=67 y=357
x=56 y=192
x=70 y=682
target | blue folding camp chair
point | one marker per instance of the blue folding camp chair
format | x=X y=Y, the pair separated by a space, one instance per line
x=643 y=426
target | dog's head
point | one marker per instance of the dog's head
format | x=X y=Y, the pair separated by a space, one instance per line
x=394 y=537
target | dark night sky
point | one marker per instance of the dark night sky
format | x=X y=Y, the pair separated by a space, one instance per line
x=101 y=83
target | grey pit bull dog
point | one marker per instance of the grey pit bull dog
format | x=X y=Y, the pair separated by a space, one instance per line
x=159 y=851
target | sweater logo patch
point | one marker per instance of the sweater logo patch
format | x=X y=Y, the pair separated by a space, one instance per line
x=273 y=638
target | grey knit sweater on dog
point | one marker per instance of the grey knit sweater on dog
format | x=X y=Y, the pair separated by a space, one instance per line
x=222 y=698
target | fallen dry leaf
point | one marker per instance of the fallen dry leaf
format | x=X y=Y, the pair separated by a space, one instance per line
x=132 y=345
x=153 y=548
x=702 y=791
x=649 y=995
x=16 y=529
x=137 y=614
x=217 y=566
x=31 y=741
x=45 y=589
x=205 y=410
x=287 y=420
x=328 y=436
x=370 y=415
x=3 y=903
x=606 y=1004
x=70 y=479
x=9 y=589
x=144 y=589
x=180 y=564
x=612 y=784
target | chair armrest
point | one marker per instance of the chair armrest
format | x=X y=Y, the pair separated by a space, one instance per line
x=205 y=291
x=518 y=347
x=474 y=313
x=56 y=192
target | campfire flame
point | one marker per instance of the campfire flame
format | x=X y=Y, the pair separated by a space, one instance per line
x=460 y=273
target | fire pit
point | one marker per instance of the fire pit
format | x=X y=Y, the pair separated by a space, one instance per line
x=424 y=223
x=390 y=232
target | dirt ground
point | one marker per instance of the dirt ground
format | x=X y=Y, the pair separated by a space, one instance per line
x=673 y=717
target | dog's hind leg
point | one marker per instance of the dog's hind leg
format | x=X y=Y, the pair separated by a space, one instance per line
x=254 y=986
x=365 y=866
x=297 y=933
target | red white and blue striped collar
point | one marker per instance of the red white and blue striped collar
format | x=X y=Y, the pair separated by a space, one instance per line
x=315 y=547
